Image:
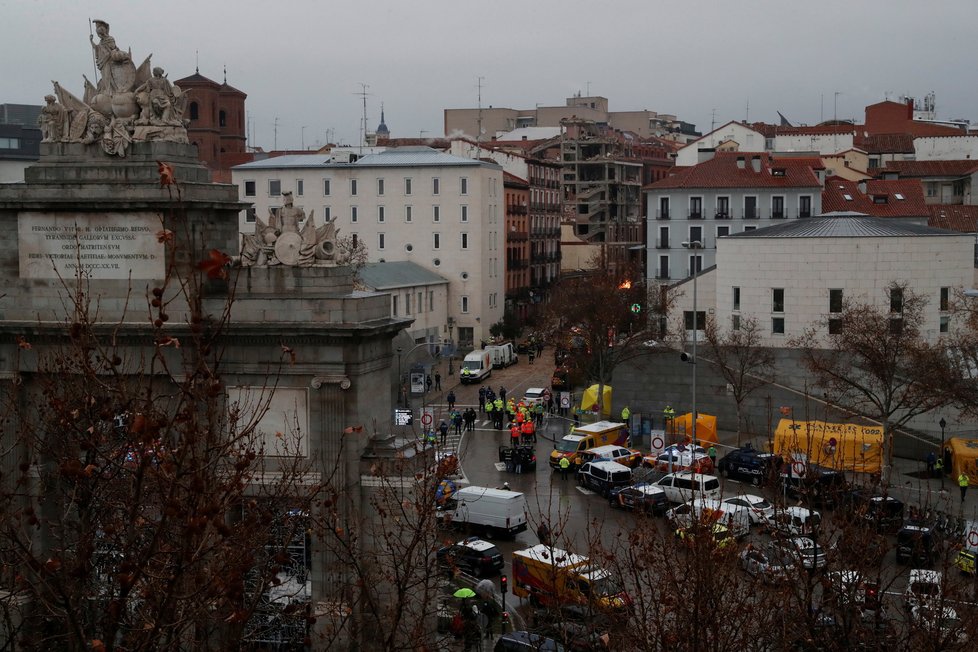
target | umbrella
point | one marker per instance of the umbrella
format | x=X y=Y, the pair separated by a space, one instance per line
x=486 y=590
x=464 y=592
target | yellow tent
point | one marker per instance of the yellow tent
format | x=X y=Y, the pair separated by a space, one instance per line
x=706 y=427
x=840 y=446
x=590 y=399
x=964 y=457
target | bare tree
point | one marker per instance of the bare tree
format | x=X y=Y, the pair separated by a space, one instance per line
x=743 y=362
x=877 y=363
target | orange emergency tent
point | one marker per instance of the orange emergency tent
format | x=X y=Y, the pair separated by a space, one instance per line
x=840 y=446
x=706 y=427
x=590 y=400
x=964 y=458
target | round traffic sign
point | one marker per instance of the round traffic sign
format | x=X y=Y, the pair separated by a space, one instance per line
x=973 y=538
x=546 y=393
x=798 y=468
x=657 y=443
x=427 y=418
x=565 y=402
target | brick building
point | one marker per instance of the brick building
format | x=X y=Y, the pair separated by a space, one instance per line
x=217 y=122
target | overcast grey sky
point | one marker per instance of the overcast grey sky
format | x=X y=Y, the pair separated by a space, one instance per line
x=302 y=61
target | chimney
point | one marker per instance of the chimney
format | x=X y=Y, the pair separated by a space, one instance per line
x=755 y=163
x=704 y=155
x=862 y=187
x=740 y=163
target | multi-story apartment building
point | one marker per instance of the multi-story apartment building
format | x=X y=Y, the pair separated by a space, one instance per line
x=443 y=212
x=517 y=193
x=730 y=193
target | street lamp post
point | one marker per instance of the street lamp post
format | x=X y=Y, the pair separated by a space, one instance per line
x=451 y=351
x=694 y=245
x=401 y=394
x=943 y=424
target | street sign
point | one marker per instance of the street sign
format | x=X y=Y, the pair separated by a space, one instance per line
x=565 y=400
x=403 y=417
x=427 y=416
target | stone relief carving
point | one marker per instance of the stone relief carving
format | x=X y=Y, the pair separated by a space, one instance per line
x=126 y=105
x=281 y=242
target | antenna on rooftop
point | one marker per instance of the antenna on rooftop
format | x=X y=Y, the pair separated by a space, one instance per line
x=363 y=131
x=713 y=121
x=478 y=136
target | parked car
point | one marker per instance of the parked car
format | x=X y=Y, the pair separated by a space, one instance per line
x=847 y=589
x=794 y=521
x=924 y=588
x=758 y=507
x=473 y=556
x=916 y=544
x=885 y=513
x=644 y=496
x=686 y=485
x=803 y=550
x=711 y=510
x=603 y=476
x=625 y=456
x=535 y=395
x=766 y=564
x=525 y=455
x=818 y=486
x=749 y=464
x=720 y=535
x=680 y=458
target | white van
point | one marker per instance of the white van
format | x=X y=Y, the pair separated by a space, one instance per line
x=735 y=517
x=794 y=521
x=502 y=355
x=686 y=485
x=484 y=509
x=476 y=367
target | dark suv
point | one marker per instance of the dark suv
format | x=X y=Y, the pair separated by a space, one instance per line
x=603 y=476
x=916 y=544
x=749 y=464
x=819 y=486
x=473 y=556
x=874 y=510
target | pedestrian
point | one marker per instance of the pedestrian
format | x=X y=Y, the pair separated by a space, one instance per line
x=531 y=355
x=564 y=467
x=502 y=393
x=539 y=349
x=427 y=382
x=939 y=467
x=457 y=422
x=443 y=429
x=438 y=381
x=963 y=484
x=550 y=404
x=470 y=419
x=514 y=435
x=482 y=397
x=577 y=416
x=491 y=610
x=451 y=400
x=931 y=461
x=712 y=452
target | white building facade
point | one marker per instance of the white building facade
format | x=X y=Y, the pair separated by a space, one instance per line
x=442 y=212
x=792 y=276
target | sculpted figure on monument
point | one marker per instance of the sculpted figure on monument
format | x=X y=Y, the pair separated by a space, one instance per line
x=160 y=102
x=53 y=120
x=111 y=61
x=280 y=242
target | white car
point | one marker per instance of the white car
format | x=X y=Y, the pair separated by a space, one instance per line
x=534 y=395
x=924 y=588
x=766 y=564
x=758 y=507
x=803 y=550
x=794 y=521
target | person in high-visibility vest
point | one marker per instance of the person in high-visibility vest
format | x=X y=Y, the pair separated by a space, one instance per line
x=625 y=414
x=564 y=466
x=963 y=484
x=668 y=416
x=529 y=431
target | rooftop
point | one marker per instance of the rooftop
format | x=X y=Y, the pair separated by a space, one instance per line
x=843 y=225
x=724 y=171
x=880 y=198
x=398 y=274
x=414 y=156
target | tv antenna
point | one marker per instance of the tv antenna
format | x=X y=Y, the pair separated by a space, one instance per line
x=363 y=131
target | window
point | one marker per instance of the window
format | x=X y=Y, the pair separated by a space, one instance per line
x=664 y=208
x=700 y=319
x=752 y=227
x=945 y=299
x=353 y=213
x=326 y=187
x=380 y=213
x=777 y=325
x=465 y=241
x=723 y=207
x=251 y=216
x=299 y=187
x=408 y=214
x=750 y=208
x=777 y=208
x=695 y=264
x=9 y=143
x=696 y=235
x=380 y=240
x=436 y=240
x=435 y=186
x=249 y=188
x=407 y=186
x=380 y=187
x=663 y=237
x=464 y=186
x=945 y=323
x=896 y=300
x=722 y=231
x=274 y=187
x=465 y=213
x=695 y=208
x=896 y=325
x=353 y=187
x=736 y=298
x=931 y=188
x=407 y=303
x=735 y=322
x=777 y=300
x=222 y=118
x=194 y=111
x=835 y=326
x=431 y=301
x=465 y=304
x=326 y=213
x=835 y=301
x=805 y=206
x=394 y=305
x=436 y=214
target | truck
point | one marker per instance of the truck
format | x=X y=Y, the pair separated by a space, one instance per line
x=711 y=510
x=476 y=367
x=551 y=576
x=502 y=355
x=485 y=510
x=583 y=438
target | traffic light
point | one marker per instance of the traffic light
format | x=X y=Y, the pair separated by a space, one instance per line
x=503 y=584
x=636 y=308
x=687 y=357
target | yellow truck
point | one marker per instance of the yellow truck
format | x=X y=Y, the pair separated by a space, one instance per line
x=551 y=576
x=583 y=438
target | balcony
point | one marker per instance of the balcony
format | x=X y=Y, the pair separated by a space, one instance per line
x=807 y=213
x=662 y=243
x=516 y=263
x=662 y=275
x=515 y=209
x=777 y=215
x=695 y=215
x=662 y=214
x=721 y=215
x=752 y=215
x=517 y=236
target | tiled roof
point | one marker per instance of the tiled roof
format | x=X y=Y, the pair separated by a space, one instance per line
x=958 y=168
x=886 y=144
x=515 y=180
x=398 y=274
x=954 y=217
x=844 y=195
x=722 y=172
x=197 y=78
x=843 y=225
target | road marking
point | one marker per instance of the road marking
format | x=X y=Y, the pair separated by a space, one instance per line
x=500 y=466
x=586 y=492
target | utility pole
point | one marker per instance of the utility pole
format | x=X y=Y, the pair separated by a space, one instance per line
x=302 y=137
x=713 y=121
x=275 y=132
x=835 y=103
x=478 y=137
